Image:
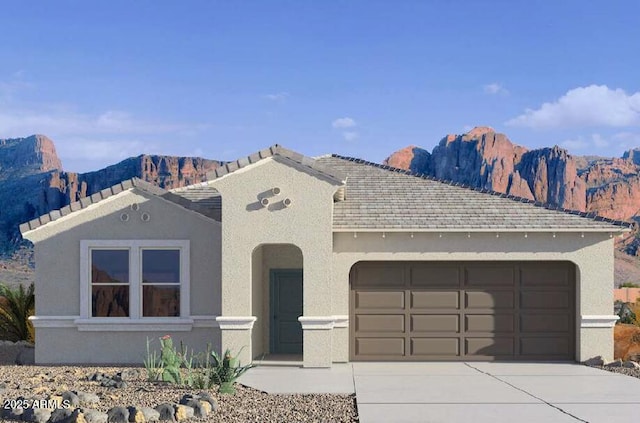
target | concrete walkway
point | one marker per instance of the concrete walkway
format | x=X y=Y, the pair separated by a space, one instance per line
x=465 y=392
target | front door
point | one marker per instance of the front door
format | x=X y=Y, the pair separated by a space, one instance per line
x=286 y=307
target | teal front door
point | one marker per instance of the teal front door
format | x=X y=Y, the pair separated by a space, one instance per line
x=285 y=308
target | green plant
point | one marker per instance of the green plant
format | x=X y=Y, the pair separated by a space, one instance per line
x=204 y=372
x=152 y=364
x=16 y=306
x=630 y=285
x=226 y=369
x=171 y=361
x=627 y=314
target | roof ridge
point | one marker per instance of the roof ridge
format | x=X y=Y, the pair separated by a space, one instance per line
x=535 y=203
x=275 y=151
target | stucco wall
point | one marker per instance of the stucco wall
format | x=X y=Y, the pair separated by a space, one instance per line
x=592 y=255
x=68 y=345
x=57 y=254
x=306 y=224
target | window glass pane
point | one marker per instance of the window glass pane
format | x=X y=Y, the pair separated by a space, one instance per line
x=110 y=301
x=161 y=300
x=110 y=266
x=161 y=266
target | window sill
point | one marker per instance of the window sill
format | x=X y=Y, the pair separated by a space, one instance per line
x=119 y=324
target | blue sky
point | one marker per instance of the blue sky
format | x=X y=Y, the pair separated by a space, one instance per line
x=108 y=80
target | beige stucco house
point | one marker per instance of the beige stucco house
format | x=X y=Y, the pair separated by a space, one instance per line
x=334 y=259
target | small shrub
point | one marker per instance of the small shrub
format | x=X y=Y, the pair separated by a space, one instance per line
x=203 y=371
x=627 y=315
x=630 y=285
x=16 y=306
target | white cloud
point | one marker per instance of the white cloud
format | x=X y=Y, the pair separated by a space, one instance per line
x=78 y=148
x=595 y=105
x=593 y=141
x=345 y=122
x=281 y=96
x=574 y=144
x=350 y=135
x=495 y=88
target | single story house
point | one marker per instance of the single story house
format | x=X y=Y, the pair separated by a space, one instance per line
x=332 y=258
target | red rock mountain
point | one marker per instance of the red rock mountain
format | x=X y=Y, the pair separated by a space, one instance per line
x=486 y=159
x=483 y=158
x=32 y=181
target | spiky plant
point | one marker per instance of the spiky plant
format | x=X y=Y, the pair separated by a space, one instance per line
x=16 y=305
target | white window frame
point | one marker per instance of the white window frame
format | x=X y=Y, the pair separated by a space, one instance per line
x=135 y=321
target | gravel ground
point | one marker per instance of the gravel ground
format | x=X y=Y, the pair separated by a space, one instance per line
x=621 y=370
x=247 y=405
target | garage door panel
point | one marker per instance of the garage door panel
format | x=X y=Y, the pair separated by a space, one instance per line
x=391 y=347
x=435 y=299
x=545 y=275
x=376 y=276
x=435 y=346
x=545 y=346
x=484 y=275
x=380 y=323
x=435 y=323
x=435 y=276
x=463 y=311
x=495 y=346
x=544 y=300
x=489 y=323
x=544 y=323
x=489 y=299
x=379 y=300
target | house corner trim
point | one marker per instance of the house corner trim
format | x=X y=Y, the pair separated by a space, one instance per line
x=236 y=322
x=598 y=321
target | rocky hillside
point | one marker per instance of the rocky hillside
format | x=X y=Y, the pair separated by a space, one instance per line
x=32 y=181
x=483 y=158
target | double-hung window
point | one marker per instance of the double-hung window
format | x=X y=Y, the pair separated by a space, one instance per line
x=134 y=279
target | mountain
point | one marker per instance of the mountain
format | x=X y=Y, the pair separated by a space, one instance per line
x=33 y=182
x=485 y=159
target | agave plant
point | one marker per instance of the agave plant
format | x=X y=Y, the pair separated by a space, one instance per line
x=16 y=305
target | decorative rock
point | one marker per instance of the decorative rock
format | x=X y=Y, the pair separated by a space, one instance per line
x=205 y=409
x=118 y=415
x=57 y=399
x=595 y=361
x=166 y=412
x=71 y=398
x=150 y=414
x=205 y=396
x=60 y=415
x=121 y=384
x=26 y=356
x=94 y=416
x=13 y=413
x=630 y=365
x=615 y=363
x=77 y=416
x=135 y=415
x=181 y=412
x=200 y=408
x=129 y=374
x=96 y=377
x=38 y=415
x=88 y=398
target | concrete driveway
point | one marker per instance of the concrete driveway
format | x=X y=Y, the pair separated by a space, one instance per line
x=493 y=392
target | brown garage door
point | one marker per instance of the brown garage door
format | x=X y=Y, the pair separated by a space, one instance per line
x=462 y=311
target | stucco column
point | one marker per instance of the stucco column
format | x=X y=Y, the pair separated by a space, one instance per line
x=235 y=334
x=316 y=340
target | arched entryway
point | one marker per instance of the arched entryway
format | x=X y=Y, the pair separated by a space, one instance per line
x=277 y=299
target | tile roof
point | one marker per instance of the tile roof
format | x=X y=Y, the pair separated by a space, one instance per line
x=382 y=197
x=109 y=192
x=377 y=197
